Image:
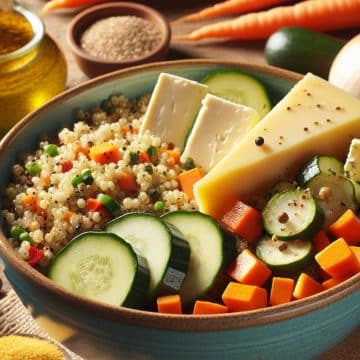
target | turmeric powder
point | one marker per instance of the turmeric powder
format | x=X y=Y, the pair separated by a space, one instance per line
x=15 y=31
x=16 y=347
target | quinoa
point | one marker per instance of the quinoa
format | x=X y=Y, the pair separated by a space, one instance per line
x=51 y=208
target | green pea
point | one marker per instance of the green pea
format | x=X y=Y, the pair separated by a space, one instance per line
x=16 y=231
x=159 y=206
x=51 y=150
x=33 y=168
x=134 y=158
x=76 y=180
x=25 y=236
x=189 y=163
x=151 y=151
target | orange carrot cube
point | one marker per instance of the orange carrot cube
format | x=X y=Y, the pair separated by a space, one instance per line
x=187 y=180
x=248 y=269
x=329 y=283
x=306 y=286
x=207 y=307
x=170 y=304
x=241 y=297
x=338 y=260
x=281 y=290
x=356 y=251
x=245 y=221
x=347 y=227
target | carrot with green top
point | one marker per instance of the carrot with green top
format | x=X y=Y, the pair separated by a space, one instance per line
x=338 y=260
x=347 y=227
x=242 y=297
x=187 y=180
x=306 y=286
x=207 y=308
x=169 y=304
x=105 y=153
x=245 y=221
x=321 y=15
x=248 y=269
x=281 y=290
x=230 y=7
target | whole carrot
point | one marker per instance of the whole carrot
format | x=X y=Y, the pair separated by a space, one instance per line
x=230 y=7
x=67 y=4
x=321 y=15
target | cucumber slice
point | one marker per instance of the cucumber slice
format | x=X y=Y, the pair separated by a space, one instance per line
x=341 y=195
x=239 y=88
x=327 y=165
x=281 y=186
x=284 y=257
x=102 y=267
x=292 y=214
x=165 y=249
x=210 y=250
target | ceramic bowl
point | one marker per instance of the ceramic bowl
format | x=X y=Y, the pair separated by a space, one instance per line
x=93 y=66
x=298 y=330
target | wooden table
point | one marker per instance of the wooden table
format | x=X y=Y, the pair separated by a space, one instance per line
x=235 y=50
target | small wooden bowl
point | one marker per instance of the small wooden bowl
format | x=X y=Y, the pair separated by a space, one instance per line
x=93 y=66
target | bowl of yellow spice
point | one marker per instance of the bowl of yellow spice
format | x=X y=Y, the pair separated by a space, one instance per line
x=115 y=35
x=32 y=67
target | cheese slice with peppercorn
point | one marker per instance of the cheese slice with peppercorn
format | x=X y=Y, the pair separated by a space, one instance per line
x=314 y=118
x=173 y=107
x=219 y=125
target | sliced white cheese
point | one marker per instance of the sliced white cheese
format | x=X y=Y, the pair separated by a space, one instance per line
x=173 y=107
x=352 y=164
x=219 y=125
x=314 y=118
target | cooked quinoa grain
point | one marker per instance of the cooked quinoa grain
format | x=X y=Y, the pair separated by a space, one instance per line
x=58 y=198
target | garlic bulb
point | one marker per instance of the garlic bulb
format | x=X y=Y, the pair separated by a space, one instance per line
x=345 y=70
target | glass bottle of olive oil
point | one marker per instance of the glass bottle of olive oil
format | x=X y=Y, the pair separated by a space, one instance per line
x=32 y=68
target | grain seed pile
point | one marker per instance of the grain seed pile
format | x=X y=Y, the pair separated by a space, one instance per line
x=88 y=175
x=119 y=38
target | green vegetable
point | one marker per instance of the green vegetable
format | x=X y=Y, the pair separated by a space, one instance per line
x=159 y=206
x=302 y=50
x=109 y=203
x=51 y=150
x=151 y=151
x=16 y=231
x=149 y=168
x=84 y=177
x=239 y=88
x=134 y=158
x=189 y=163
x=33 y=168
x=25 y=236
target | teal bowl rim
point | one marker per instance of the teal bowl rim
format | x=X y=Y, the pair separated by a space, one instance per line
x=147 y=319
x=38 y=28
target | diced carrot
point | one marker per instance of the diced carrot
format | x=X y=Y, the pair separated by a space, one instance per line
x=170 y=304
x=245 y=221
x=320 y=241
x=281 y=290
x=35 y=255
x=105 y=153
x=338 y=260
x=125 y=130
x=240 y=297
x=31 y=202
x=127 y=182
x=329 y=283
x=356 y=251
x=306 y=286
x=173 y=154
x=248 y=269
x=144 y=157
x=93 y=204
x=347 y=227
x=187 y=180
x=207 y=307
x=46 y=180
x=79 y=149
x=68 y=215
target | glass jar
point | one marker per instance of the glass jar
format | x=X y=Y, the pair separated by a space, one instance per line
x=30 y=75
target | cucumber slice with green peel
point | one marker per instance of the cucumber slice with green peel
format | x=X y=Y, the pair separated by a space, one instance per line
x=326 y=165
x=165 y=249
x=281 y=186
x=292 y=214
x=239 y=88
x=103 y=267
x=284 y=257
x=210 y=250
x=334 y=194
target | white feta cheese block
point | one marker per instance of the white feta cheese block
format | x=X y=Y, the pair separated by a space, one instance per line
x=219 y=125
x=352 y=164
x=173 y=107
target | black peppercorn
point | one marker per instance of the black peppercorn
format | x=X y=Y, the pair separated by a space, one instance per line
x=259 y=141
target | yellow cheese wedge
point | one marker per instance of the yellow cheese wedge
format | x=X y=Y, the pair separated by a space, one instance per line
x=315 y=117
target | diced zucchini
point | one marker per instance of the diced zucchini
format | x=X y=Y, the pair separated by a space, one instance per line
x=292 y=214
x=210 y=248
x=102 y=267
x=284 y=257
x=165 y=249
